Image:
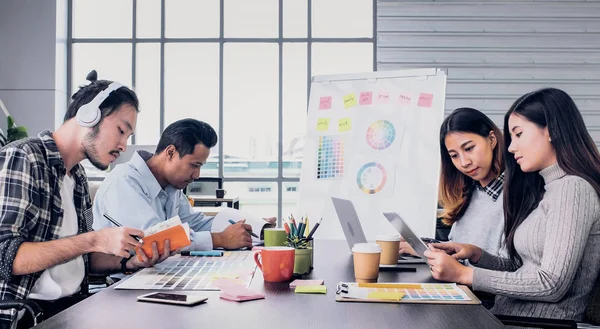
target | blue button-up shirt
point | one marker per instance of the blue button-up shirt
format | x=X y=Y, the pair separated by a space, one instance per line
x=134 y=198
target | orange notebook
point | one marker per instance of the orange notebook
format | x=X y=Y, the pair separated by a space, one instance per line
x=177 y=235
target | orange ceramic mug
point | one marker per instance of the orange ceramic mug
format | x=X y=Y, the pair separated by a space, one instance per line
x=276 y=263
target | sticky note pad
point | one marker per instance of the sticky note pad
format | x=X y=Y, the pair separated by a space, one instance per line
x=323 y=124
x=425 y=100
x=404 y=99
x=299 y=282
x=325 y=103
x=319 y=289
x=383 y=97
x=386 y=295
x=344 y=125
x=366 y=98
x=349 y=100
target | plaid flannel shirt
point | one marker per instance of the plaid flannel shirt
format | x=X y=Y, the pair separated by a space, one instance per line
x=494 y=188
x=31 y=175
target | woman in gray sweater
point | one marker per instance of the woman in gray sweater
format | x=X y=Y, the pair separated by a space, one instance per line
x=551 y=211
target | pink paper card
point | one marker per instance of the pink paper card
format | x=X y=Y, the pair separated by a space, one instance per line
x=366 y=98
x=404 y=98
x=383 y=97
x=325 y=103
x=425 y=100
x=231 y=290
x=298 y=282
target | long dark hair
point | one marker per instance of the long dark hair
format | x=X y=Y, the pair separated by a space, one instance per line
x=576 y=154
x=456 y=188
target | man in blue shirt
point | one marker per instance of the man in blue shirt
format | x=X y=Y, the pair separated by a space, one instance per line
x=148 y=189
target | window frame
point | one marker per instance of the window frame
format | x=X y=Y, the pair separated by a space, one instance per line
x=221 y=40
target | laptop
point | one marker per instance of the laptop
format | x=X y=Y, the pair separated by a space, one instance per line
x=407 y=233
x=354 y=233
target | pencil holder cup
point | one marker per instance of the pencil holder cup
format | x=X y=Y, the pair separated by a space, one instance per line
x=303 y=261
x=311 y=245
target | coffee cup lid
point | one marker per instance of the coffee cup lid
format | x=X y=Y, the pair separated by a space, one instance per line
x=388 y=237
x=370 y=248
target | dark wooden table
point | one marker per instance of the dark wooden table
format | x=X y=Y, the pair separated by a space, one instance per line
x=282 y=309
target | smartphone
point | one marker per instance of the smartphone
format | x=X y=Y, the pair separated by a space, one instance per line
x=169 y=298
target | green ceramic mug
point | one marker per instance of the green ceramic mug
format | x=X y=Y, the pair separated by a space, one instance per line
x=274 y=237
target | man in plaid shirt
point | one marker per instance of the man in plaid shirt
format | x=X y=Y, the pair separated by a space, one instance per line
x=47 y=245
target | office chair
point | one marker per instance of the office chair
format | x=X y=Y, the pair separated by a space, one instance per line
x=33 y=309
x=592 y=316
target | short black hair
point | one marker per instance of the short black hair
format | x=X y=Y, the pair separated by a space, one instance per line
x=185 y=134
x=113 y=102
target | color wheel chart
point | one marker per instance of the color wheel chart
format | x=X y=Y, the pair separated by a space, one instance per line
x=330 y=157
x=381 y=134
x=371 y=177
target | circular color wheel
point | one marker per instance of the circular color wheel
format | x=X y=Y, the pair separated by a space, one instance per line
x=371 y=178
x=381 y=134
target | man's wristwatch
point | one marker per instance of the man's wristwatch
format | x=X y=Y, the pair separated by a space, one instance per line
x=124 y=269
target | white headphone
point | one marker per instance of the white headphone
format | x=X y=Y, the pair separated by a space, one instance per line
x=89 y=114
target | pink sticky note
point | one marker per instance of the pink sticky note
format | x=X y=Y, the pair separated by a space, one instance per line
x=298 y=282
x=383 y=98
x=404 y=98
x=366 y=98
x=425 y=100
x=231 y=290
x=325 y=103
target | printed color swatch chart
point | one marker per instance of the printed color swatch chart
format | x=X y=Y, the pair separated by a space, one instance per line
x=194 y=273
x=330 y=157
x=435 y=292
x=381 y=134
x=407 y=292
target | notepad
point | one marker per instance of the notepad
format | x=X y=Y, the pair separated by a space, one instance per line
x=233 y=291
x=318 y=289
x=172 y=229
x=299 y=282
x=386 y=295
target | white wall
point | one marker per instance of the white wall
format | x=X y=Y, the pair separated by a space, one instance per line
x=495 y=51
x=33 y=62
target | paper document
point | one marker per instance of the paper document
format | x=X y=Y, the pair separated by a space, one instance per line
x=221 y=221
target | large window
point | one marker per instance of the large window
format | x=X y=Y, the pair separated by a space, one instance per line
x=242 y=66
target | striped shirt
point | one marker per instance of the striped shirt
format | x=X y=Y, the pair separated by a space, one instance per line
x=31 y=175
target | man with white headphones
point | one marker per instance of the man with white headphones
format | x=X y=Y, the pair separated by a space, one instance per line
x=47 y=245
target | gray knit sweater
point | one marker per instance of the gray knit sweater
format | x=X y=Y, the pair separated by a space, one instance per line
x=559 y=244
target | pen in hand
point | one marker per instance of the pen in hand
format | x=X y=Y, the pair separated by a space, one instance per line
x=117 y=224
x=251 y=233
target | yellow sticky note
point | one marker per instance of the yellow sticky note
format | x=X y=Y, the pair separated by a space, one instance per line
x=323 y=124
x=344 y=125
x=386 y=295
x=320 y=289
x=349 y=100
